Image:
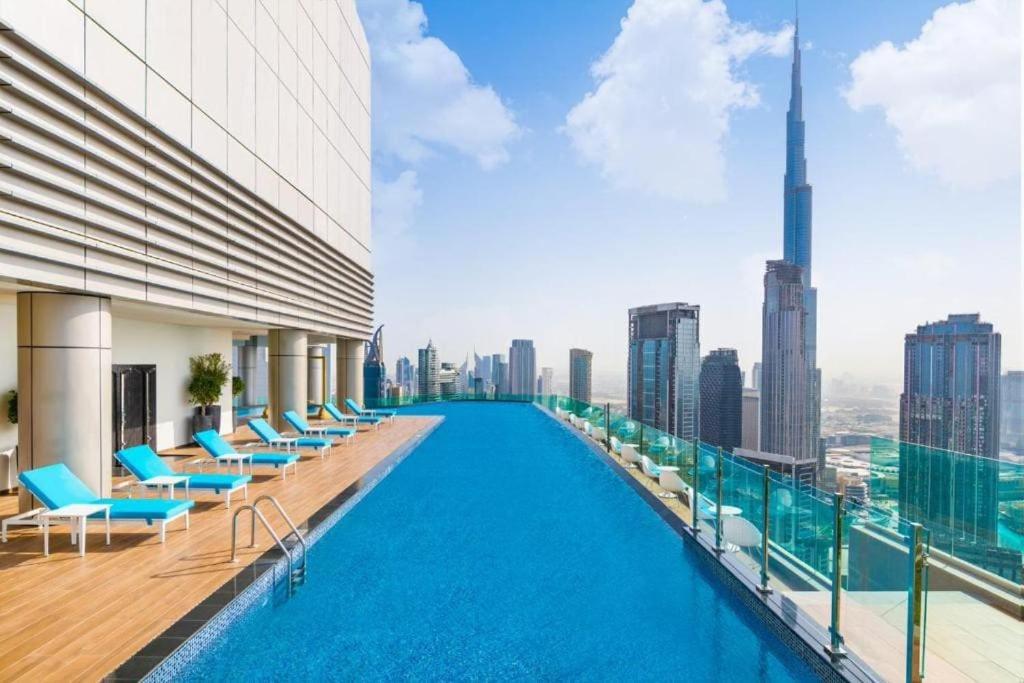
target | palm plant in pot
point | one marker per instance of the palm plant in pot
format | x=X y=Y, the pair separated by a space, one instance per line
x=210 y=372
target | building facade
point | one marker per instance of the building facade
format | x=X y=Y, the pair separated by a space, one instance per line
x=405 y=375
x=950 y=402
x=522 y=367
x=664 y=368
x=580 y=374
x=785 y=389
x=428 y=374
x=755 y=377
x=751 y=420
x=1012 y=420
x=177 y=174
x=721 y=399
x=547 y=381
x=499 y=374
x=375 y=373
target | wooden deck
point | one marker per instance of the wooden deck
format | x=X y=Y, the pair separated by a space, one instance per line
x=64 y=617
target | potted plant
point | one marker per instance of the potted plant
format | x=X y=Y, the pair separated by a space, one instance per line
x=237 y=386
x=210 y=372
x=12 y=406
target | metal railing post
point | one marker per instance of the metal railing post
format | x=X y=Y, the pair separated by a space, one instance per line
x=764 y=588
x=608 y=427
x=695 y=502
x=640 y=446
x=915 y=604
x=718 y=503
x=835 y=648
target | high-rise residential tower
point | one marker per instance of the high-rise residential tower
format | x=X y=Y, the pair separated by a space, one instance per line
x=950 y=401
x=664 y=367
x=547 y=381
x=755 y=377
x=721 y=399
x=1011 y=398
x=785 y=389
x=751 y=420
x=499 y=373
x=785 y=398
x=404 y=375
x=428 y=381
x=580 y=374
x=522 y=367
x=375 y=373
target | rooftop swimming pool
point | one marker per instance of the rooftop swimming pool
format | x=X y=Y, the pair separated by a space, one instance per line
x=502 y=547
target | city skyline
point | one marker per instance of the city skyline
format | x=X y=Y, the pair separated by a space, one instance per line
x=887 y=233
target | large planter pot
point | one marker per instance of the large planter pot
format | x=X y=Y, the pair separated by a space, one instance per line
x=211 y=420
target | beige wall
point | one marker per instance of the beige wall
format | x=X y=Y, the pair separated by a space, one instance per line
x=137 y=342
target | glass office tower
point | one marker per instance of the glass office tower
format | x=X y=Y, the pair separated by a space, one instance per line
x=664 y=367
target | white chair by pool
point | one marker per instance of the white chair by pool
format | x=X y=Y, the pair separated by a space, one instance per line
x=673 y=485
x=739 y=533
x=649 y=468
x=630 y=455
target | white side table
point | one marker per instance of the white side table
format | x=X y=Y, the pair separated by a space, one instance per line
x=240 y=458
x=76 y=514
x=167 y=480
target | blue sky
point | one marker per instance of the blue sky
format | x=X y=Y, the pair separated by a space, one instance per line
x=499 y=214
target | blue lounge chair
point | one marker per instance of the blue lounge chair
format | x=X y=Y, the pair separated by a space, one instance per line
x=355 y=420
x=56 y=486
x=272 y=437
x=388 y=415
x=222 y=452
x=151 y=471
x=302 y=427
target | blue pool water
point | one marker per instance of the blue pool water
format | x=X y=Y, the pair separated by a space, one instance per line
x=501 y=548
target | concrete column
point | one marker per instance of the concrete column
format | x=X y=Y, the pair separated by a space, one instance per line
x=350 y=370
x=248 y=356
x=316 y=375
x=64 y=386
x=286 y=368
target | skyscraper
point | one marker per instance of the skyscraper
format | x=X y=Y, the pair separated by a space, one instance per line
x=664 y=367
x=482 y=369
x=547 y=381
x=375 y=373
x=751 y=421
x=580 y=371
x=792 y=390
x=950 y=400
x=428 y=380
x=785 y=389
x=950 y=393
x=755 y=377
x=1011 y=398
x=499 y=373
x=522 y=367
x=404 y=375
x=721 y=399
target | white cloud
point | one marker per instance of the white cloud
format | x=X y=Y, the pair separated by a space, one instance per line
x=952 y=93
x=424 y=98
x=394 y=205
x=666 y=88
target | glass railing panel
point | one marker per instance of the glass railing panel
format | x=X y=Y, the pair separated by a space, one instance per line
x=742 y=512
x=875 y=588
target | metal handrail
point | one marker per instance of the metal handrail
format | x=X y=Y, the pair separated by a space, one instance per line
x=287 y=520
x=266 y=525
x=255 y=512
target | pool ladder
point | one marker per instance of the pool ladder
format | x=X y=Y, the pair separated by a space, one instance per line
x=296 y=574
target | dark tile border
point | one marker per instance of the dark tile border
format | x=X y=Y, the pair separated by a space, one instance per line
x=780 y=615
x=164 y=657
